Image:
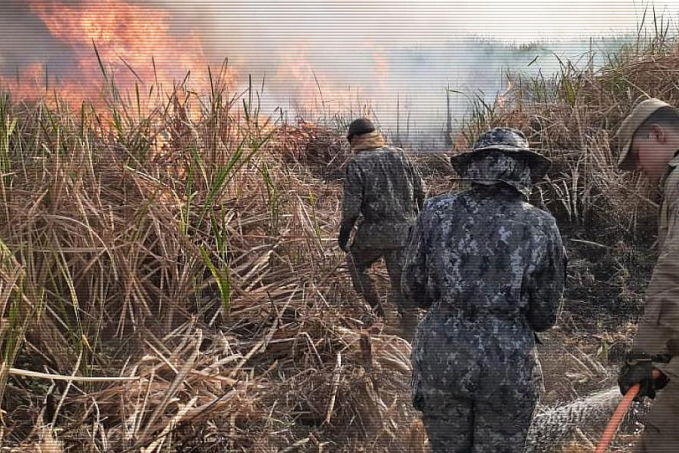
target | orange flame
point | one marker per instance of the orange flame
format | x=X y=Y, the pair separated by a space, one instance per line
x=134 y=43
x=502 y=98
x=315 y=92
x=137 y=48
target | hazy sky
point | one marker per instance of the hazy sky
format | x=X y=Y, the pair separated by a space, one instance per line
x=427 y=22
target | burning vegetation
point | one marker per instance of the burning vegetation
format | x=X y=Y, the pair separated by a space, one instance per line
x=180 y=247
x=110 y=55
x=136 y=61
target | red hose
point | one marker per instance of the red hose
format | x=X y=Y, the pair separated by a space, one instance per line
x=618 y=415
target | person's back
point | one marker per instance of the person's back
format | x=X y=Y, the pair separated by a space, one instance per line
x=494 y=243
x=490 y=290
x=389 y=195
x=490 y=268
x=381 y=186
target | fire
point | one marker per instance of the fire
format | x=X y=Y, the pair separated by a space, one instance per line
x=315 y=92
x=380 y=63
x=135 y=48
x=134 y=43
x=502 y=98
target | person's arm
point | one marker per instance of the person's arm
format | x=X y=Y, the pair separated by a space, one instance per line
x=659 y=325
x=351 y=203
x=419 y=188
x=414 y=273
x=545 y=285
x=657 y=334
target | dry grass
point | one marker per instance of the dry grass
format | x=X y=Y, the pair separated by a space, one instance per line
x=196 y=254
x=573 y=117
x=192 y=248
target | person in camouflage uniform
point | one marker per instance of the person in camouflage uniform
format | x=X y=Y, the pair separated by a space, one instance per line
x=649 y=138
x=383 y=187
x=490 y=269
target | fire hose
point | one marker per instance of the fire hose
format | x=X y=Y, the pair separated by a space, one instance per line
x=618 y=415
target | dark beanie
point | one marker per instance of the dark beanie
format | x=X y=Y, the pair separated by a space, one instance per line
x=359 y=127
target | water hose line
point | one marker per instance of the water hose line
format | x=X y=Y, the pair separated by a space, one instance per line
x=618 y=415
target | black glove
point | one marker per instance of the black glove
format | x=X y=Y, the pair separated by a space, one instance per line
x=638 y=369
x=344 y=244
x=343 y=239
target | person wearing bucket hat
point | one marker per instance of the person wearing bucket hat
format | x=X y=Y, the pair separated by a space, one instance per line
x=502 y=155
x=383 y=187
x=649 y=142
x=490 y=269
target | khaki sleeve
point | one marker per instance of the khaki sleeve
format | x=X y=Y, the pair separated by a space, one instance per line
x=659 y=324
x=670 y=216
x=658 y=331
x=671 y=370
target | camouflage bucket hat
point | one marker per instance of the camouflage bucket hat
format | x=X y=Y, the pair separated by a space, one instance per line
x=508 y=141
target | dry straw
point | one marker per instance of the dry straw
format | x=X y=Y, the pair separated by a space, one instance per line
x=191 y=249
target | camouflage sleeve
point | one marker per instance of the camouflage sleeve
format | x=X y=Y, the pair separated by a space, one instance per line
x=546 y=285
x=419 y=188
x=351 y=202
x=414 y=274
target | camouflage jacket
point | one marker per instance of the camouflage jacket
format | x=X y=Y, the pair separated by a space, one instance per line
x=658 y=331
x=486 y=251
x=491 y=269
x=383 y=187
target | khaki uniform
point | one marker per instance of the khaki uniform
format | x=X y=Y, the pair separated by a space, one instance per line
x=658 y=331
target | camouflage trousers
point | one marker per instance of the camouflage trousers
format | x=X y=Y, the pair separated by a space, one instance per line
x=462 y=425
x=360 y=259
x=660 y=434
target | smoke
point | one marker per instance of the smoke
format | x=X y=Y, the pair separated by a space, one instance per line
x=343 y=56
x=24 y=39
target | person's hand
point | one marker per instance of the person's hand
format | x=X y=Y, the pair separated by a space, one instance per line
x=343 y=239
x=638 y=369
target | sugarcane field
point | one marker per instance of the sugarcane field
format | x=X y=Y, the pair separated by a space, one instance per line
x=333 y=227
